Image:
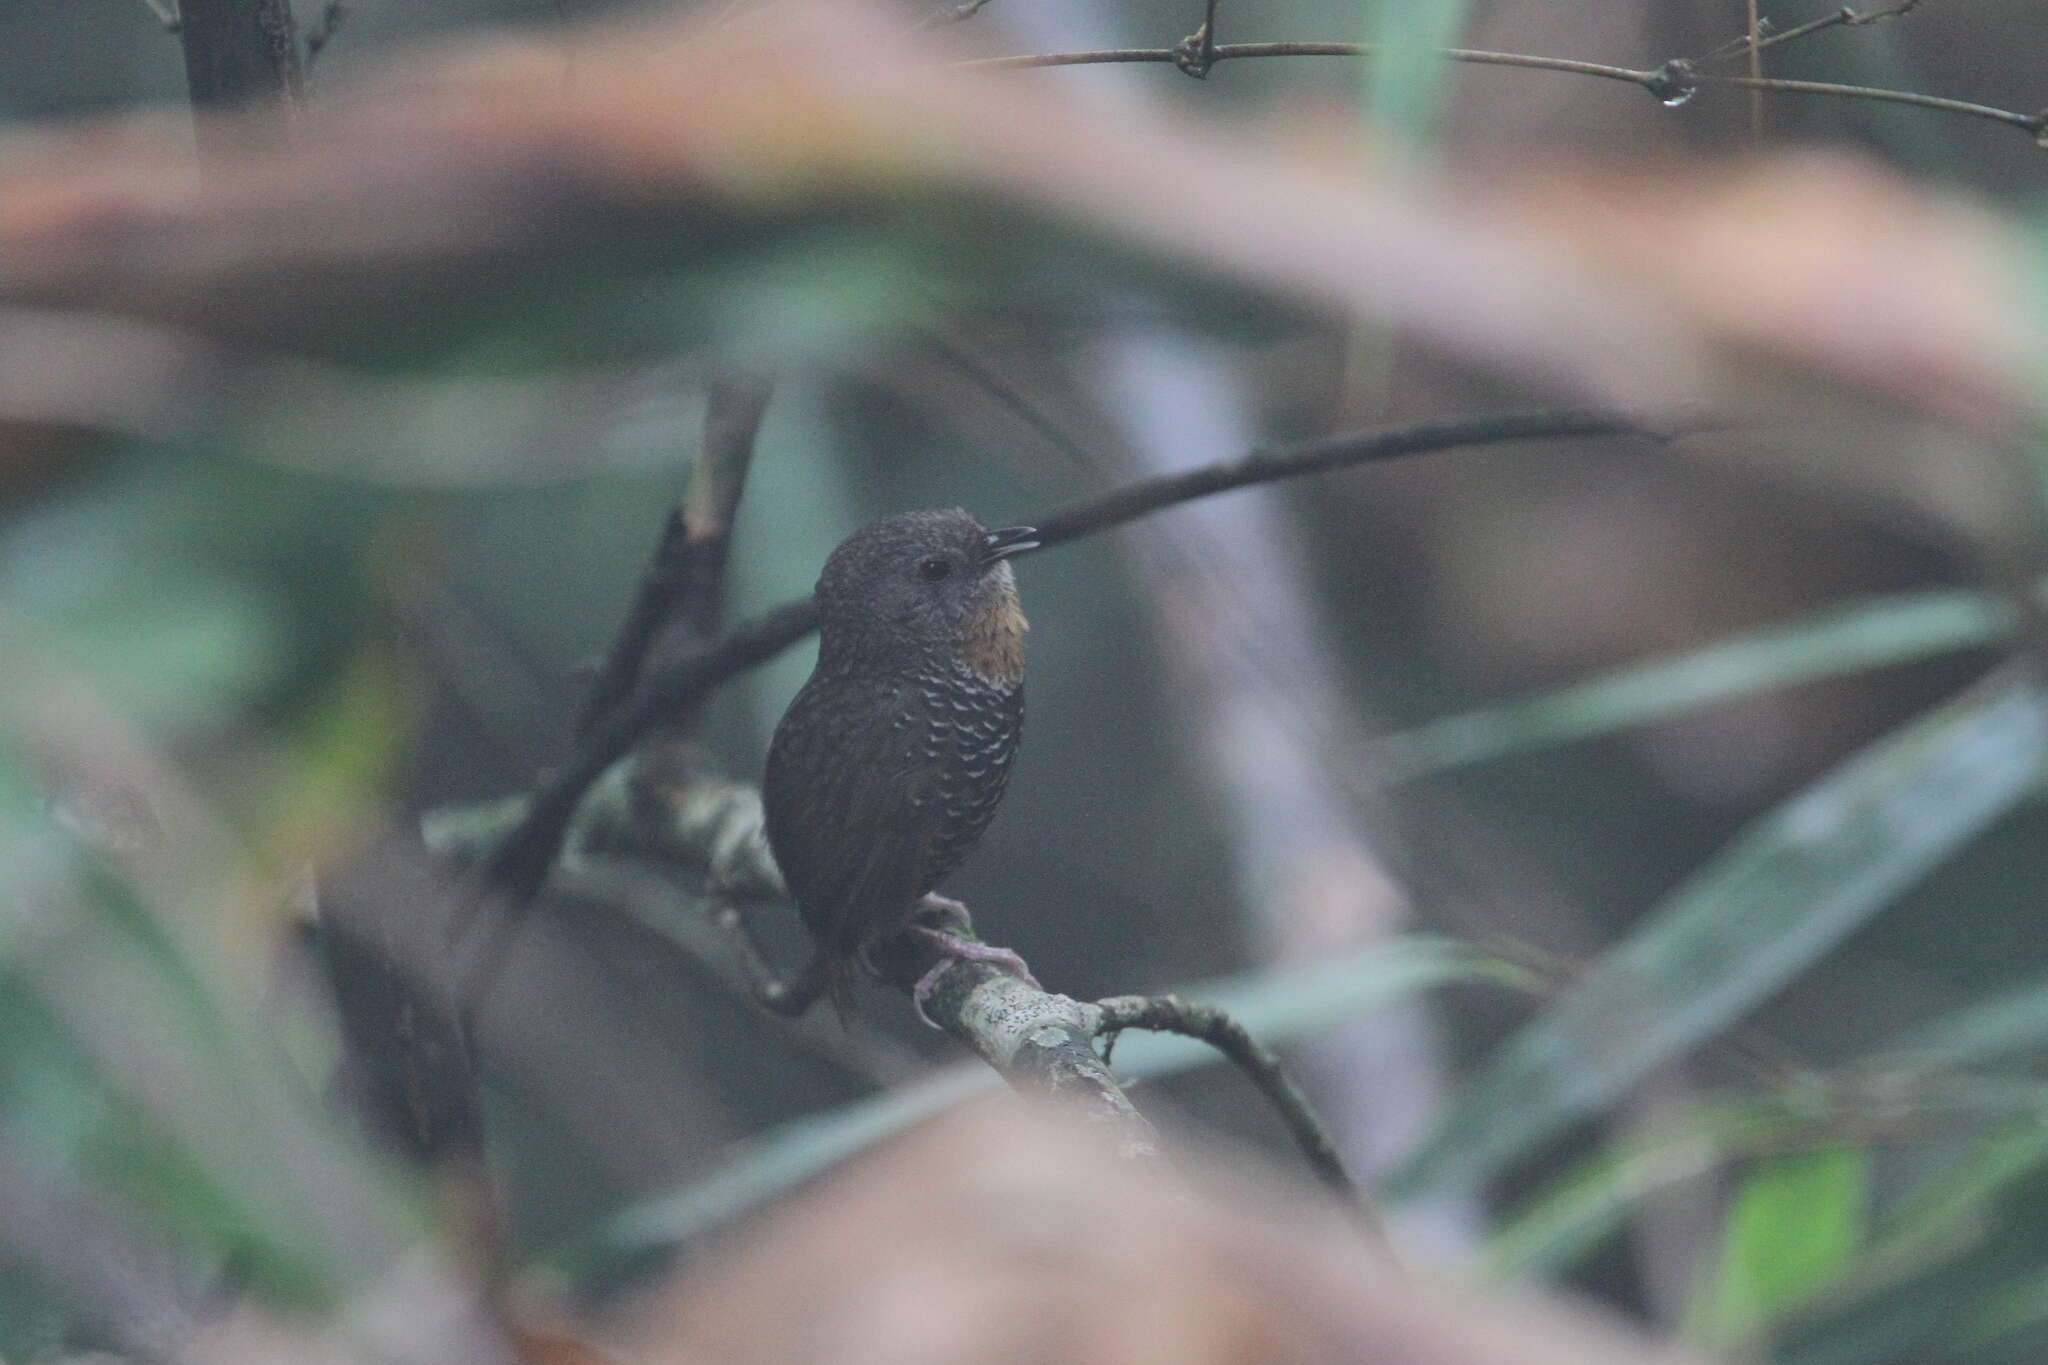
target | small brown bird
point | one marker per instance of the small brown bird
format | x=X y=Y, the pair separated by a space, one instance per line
x=889 y=764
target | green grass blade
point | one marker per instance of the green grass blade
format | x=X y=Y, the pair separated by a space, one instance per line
x=1875 y=634
x=1574 y=1214
x=1407 y=79
x=1959 y=1193
x=2012 y=1021
x=1789 y=888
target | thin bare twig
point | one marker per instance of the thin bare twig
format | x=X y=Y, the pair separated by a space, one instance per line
x=1766 y=38
x=1226 y=52
x=1657 y=80
x=1756 y=72
x=1220 y=1030
x=1271 y=463
x=951 y=14
x=2035 y=124
x=964 y=356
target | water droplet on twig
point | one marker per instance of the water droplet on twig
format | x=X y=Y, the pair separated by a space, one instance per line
x=1673 y=83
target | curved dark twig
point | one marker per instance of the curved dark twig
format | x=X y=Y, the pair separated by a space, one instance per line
x=1268 y=464
x=1220 y=1030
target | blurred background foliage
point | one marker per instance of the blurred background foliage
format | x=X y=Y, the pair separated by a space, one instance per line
x=1645 y=874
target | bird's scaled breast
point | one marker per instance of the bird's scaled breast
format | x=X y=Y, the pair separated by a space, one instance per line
x=970 y=737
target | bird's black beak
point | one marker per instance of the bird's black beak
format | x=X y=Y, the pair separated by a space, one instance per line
x=1011 y=540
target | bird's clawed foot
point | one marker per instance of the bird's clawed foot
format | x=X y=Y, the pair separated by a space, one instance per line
x=954 y=948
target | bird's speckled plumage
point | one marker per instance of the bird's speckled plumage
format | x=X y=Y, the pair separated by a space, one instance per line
x=891 y=761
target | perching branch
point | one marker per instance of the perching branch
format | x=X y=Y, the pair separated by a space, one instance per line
x=1668 y=83
x=712 y=831
x=1040 y=1042
x=519 y=866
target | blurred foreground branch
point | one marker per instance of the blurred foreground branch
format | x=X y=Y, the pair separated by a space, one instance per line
x=1019 y=1240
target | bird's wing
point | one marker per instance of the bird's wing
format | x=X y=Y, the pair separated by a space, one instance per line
x=850 y=812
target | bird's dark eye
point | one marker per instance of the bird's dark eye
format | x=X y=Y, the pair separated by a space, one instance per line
x=932 y=568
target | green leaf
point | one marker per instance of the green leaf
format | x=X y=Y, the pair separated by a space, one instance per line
x=1959 y=1193
x=130 y=1057
x=1406 y=77
x=1794 y=1227
x=1886 y=631
x=1275 y=1006
x=1790 y=887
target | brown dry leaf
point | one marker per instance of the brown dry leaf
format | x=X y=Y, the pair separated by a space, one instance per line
x=473 y=171
x=1816 y=256
x=994 y=1237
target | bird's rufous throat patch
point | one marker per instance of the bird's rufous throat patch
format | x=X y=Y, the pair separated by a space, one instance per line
x=992 y=636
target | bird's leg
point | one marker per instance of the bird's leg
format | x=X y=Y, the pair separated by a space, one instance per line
x=953 y=946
